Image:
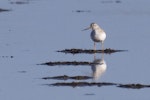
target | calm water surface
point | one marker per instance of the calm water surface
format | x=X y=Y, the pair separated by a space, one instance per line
x=32 y=32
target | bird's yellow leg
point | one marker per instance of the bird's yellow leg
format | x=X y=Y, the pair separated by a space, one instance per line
x=94 y=46
x=102 y=46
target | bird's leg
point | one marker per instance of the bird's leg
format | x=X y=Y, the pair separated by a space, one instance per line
x=94 y=46
x=102 y=46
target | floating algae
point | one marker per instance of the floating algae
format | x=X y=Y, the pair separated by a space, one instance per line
x=65 y=77
x=3 y=10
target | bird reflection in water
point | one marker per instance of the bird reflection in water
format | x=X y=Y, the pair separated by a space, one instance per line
x=98 y=67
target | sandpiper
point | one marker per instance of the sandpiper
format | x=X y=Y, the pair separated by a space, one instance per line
x=97 y=35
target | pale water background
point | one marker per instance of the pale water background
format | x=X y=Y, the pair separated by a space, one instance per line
x=32 y=32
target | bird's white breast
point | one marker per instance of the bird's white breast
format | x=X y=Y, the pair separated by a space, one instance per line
x=98 y=35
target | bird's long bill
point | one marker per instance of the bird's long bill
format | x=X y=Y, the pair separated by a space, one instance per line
x=86 y=29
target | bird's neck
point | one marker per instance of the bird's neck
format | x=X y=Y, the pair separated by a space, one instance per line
x=98 y=30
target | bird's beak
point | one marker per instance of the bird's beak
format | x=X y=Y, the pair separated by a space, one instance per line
x=86 y=29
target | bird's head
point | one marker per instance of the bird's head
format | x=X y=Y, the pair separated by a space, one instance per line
x=93 y=26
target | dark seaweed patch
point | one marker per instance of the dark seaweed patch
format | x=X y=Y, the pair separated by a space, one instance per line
x=3 y=10
x=118 y=1
x=65 y=77
x=22 y=71
x=89 y=51
x=88 y=94
x=19 y=2
x=133 y=86
x=81 y=11
x=111 y=1
x=6 y=56
x=75 y=63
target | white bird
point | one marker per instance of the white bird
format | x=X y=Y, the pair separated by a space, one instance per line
x=97 y=35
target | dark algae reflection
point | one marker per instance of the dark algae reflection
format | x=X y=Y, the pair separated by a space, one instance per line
x=81 y=84
x=90 y=51
x=99 y=84
x=134 y=86
x=75 y=63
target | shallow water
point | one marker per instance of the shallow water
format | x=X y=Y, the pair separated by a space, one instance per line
x=32 y=32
